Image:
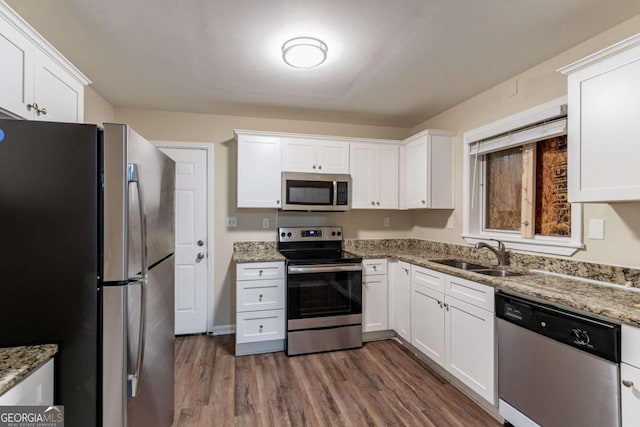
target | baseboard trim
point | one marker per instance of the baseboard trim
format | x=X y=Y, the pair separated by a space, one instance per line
x=223 y=330
x=377 y=335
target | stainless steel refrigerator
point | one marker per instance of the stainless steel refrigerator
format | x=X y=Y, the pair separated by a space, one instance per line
x=87 y=262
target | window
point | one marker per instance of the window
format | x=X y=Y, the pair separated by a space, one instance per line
x=515 y=183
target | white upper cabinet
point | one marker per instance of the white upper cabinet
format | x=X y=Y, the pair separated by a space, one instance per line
x=604 y=130
x=315 y=155
x=259 y=171
x=36 y=81
x=374 y=172
x=428 y=169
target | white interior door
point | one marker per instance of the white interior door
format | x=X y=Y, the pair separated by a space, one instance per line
x=191 y=239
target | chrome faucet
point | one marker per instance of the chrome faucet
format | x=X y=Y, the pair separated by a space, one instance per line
x=500 y=252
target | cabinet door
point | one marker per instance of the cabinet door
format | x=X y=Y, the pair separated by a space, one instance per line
x=630 y=395
x=402 y=301
x=57 y=93
x=604 y=130
x=35 y=389
x=427 y=322
x=416 y=171
x=16 y=71
x=363 y=175
x=386 y=169
x=374 y=310
x=259 y=171
x=440 y=172
x=299 y=155
x=469 y=346
x=332 y=156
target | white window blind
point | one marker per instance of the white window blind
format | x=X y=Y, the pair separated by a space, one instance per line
x=517 y=138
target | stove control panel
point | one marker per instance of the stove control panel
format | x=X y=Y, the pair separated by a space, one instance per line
x=308 y=234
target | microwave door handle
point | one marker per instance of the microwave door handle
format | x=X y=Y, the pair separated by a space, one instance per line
x=335 y=194
x=133 y=380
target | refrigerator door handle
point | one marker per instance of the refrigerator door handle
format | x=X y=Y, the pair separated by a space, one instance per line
x=133 y=380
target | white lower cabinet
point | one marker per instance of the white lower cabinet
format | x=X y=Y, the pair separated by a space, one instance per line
x=630 y=376
x=427 y=322
x=458 y=333
x=630 y=393
x=402 y=300
x=36 y=389
x=260 y=303
x=375 y=296
x=469 y=346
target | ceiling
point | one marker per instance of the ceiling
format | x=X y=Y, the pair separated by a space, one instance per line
x=389 y=62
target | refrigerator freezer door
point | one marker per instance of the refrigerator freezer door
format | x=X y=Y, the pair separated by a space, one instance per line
x=153 y=404
x=156 y=176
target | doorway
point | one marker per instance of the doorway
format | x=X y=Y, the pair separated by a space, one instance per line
x=193 y=234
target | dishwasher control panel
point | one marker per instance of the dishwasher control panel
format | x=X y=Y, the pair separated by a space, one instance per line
x=577 y=330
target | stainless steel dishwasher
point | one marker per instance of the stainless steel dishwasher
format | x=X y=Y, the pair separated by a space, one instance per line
x=556 y=367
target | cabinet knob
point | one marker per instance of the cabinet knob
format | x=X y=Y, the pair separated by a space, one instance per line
x=200 y=243
x=424 y=202
x=277 y=202
x=439 y=303
x=320 y=167
x=375 y=267
x=260 y=328
x=33 y=106
x=314 y=166
x=378 y=203
x=200 y=256
x=42 y=111
x=373 y=203
x=260 y=297
x=627 y=383
x=446 y=306
x=260 y=273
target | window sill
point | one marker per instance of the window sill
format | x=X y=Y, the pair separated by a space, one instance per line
x=544 y=245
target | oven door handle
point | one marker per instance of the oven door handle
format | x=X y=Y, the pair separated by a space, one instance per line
x=326 y=268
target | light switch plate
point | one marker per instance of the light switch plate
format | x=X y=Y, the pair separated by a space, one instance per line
x=596 y=228
x=232 y=221
x=265 y=223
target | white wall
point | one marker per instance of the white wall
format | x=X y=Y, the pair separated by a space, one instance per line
x=539 y=84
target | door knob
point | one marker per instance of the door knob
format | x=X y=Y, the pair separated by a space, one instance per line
x=200 y=256
x=200 y=243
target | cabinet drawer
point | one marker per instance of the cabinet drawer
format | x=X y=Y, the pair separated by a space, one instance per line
x=260 y=270
x=474 y=293
x=255 y=326
x=260 y=295
x=429 y=278
x=374 y=266
x=631 y=346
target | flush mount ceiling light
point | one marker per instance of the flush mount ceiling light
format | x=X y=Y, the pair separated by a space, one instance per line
x=304 y=52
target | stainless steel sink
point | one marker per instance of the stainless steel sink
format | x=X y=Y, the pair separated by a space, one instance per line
x=497 y=272
x=463 y=265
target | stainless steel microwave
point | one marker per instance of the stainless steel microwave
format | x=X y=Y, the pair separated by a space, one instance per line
x=316 y=192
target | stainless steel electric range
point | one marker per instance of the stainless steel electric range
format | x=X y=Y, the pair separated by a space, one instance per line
x=324 y=290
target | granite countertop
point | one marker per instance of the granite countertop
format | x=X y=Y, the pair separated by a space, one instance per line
x=17 y=363
x=611 y=302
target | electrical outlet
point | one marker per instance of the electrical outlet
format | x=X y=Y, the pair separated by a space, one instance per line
x=386 y=221
x=450 y=222
x=232 y=221
x=265 y=223
x=596 y=228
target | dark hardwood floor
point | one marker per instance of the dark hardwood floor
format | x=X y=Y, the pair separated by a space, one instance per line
x=377 y=385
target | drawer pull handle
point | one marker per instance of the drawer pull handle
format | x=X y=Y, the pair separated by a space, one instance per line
x=627 y=383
